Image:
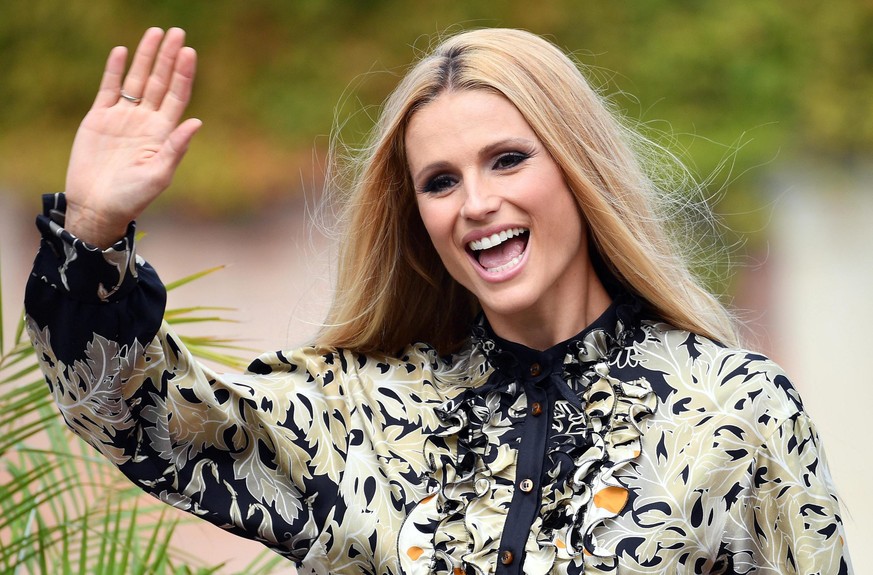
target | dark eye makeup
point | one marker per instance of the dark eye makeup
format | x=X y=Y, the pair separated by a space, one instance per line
x=442 y=182
x=439 y=183
x=509 y=160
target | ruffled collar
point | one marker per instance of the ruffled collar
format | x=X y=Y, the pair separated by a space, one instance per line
x=612 y=329
x=565 y=362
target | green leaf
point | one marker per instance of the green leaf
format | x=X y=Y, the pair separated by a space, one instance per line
x=188 y=279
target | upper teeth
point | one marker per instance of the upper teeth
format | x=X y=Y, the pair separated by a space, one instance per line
x=495 y=239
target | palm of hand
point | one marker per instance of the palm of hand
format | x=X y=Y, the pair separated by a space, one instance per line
x=125 y=153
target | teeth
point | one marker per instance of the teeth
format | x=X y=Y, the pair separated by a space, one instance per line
x=511 y=263
x=496 y=240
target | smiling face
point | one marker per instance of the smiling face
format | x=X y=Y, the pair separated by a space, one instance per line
x=502 y=218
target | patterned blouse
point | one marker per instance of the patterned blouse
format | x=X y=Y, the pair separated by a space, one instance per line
x=633 y=447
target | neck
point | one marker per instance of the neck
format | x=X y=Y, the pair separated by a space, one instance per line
x=551 y=322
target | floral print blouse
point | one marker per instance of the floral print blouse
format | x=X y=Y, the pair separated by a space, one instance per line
x=631 y=448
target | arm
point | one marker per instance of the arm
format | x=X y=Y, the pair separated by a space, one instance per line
x=86 y=295
x=245 y=452
x=794 y=511
x=231 y=449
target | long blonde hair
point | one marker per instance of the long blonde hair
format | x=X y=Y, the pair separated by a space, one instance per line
x=391 y=287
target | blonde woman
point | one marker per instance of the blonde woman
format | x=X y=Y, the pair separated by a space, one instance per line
x=518 y=373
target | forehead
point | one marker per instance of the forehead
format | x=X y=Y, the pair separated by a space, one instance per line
x=466 y=120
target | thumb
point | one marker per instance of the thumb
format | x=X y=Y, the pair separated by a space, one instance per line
x=177 y=143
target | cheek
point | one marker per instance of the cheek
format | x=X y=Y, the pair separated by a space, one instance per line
x=439 y=225
x=567 y=223
x=436 y=222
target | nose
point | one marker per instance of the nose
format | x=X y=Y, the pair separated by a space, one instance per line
x=479 y=200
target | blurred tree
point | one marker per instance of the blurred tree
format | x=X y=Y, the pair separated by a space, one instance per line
x=740 y=84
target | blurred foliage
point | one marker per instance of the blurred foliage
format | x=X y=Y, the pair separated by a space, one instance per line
x=739 y=85
x=65 y=510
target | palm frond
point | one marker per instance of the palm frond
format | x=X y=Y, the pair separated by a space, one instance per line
x=63 y=508
x=193 y=277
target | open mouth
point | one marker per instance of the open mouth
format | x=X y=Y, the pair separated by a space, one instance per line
x=501 y=251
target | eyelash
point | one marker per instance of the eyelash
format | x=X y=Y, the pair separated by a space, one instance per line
x=516 y=157
x=438 y=184
x=442 y=182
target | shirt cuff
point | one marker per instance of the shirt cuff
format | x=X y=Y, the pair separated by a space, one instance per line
x=86 y=272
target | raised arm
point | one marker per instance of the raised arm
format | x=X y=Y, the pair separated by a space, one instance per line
x=235 y=450
x=131 y=141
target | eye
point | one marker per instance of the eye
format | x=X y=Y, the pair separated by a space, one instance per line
x=439 y=183
x=509 y=160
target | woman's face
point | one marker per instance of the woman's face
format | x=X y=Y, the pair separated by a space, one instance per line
x=497 y=208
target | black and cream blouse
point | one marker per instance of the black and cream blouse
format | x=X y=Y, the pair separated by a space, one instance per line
x=631 y=448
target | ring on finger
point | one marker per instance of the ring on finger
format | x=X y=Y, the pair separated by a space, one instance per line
x=129 y=98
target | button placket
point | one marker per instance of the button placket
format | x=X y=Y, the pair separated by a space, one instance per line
x=525 y=504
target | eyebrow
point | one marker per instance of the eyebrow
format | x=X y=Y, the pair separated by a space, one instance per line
x=507 y=142
x=484 y=152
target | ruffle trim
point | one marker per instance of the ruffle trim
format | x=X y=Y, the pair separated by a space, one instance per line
x=465 y=473
x=465 y=470
x=590 y=494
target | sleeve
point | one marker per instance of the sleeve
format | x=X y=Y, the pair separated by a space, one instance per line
x=245 y=452
x=794 y=510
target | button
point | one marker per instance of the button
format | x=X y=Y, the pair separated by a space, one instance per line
x=536 y=409
x=526 y=485
x=506 y=557
x=535 y=369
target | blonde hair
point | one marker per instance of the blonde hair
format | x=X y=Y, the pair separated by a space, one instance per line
x=391 y=287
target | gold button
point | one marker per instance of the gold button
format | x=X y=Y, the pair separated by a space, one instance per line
x=526 y=485
x=536 y=409
x=506 y=557
x=534 y=369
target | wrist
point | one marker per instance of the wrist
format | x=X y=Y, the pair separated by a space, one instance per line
x=91 y=228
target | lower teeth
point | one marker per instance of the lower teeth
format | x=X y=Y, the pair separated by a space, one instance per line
x=511 y=263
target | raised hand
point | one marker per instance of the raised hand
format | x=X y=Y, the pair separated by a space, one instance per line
x=131 y=141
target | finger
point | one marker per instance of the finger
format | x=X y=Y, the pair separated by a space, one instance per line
x=143 y=59
x=110 y=84
x=179 y=93
x=159 y=80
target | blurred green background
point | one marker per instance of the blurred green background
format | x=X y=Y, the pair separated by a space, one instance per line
x=758 y=85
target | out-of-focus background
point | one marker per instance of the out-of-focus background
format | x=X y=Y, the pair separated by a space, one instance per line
x=771 y=103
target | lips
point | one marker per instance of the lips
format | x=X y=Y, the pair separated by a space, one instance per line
x=500 y=251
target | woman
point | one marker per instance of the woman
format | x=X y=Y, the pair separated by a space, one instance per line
x=518 y=374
